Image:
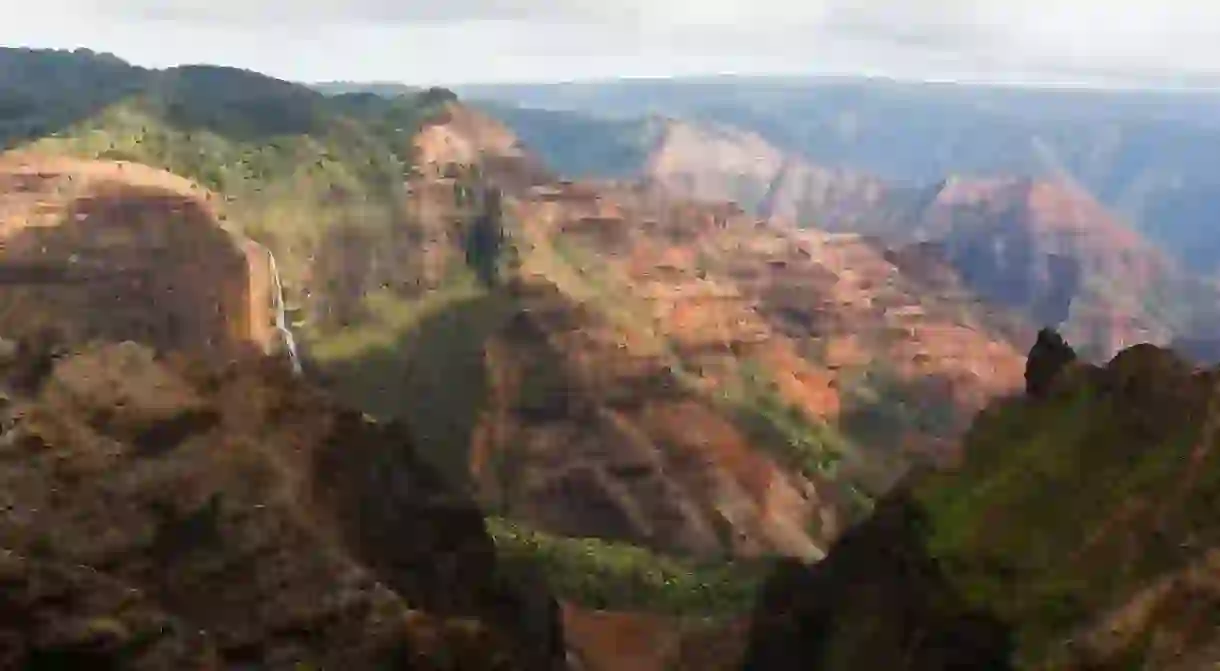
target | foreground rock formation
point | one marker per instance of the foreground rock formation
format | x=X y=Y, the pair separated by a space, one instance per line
x=158 y=513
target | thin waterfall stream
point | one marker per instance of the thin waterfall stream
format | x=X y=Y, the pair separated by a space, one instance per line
x=281 y=320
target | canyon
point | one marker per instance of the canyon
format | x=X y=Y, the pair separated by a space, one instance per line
x=515 y=420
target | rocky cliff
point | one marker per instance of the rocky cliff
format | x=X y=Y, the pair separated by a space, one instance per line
x=164 y=513
x=722 y=163
x=116 y=251
x=1053 y=252
x=1079 y=534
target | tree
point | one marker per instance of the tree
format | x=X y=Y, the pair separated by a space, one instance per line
x=485 y=240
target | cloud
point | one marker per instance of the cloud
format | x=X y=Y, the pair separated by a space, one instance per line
x=1076 y=35
x=559 y=39
x=344 y=11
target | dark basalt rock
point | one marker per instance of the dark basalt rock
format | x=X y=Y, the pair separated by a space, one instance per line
x=1049 y=355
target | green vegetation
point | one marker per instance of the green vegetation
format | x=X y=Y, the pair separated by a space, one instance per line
x=617 y=576
x=42 y=91
x=804 y=444
x=319 y=180
x=598 y=284
x=1067 y=506
x=291 y=165
x=1071 y=504
x=880 y=407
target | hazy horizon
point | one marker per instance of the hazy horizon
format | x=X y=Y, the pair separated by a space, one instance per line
x=479 y=42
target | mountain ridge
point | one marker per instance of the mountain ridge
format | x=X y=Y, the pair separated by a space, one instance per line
x=1044 y=248
x=1143 y=154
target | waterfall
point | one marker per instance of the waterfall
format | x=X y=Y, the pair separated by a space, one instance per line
x=281 y=321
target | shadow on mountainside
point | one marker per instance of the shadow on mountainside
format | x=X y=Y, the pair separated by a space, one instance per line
x=878 y=601
x=44 y=93
x=439 y=364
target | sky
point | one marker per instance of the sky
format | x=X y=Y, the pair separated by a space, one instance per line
x=485 y=41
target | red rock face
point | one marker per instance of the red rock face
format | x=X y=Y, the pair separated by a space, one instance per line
x=726 y=164
x=123 y=252
x=658 y=370
x=608 y=641
x=1054 y=252
x=1045 y=249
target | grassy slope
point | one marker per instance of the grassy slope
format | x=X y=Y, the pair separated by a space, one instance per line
x=1029 y=525
x=616 y=576
x=1066 y=509
x=1068 y=506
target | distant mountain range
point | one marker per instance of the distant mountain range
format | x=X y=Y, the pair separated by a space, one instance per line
x=1146 y=154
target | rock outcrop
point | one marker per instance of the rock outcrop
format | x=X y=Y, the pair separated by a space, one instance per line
x=157 y=512
x=120 y=251
x=1049 y=355
x=720 y=163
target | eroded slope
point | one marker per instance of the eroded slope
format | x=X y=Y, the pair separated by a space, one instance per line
x=1042 y=247
x=654 y=370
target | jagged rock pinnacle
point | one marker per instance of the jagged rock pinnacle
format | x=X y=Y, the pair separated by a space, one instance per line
x=1049 y=355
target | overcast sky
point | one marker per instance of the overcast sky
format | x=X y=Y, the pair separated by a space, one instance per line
x=463 y=41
